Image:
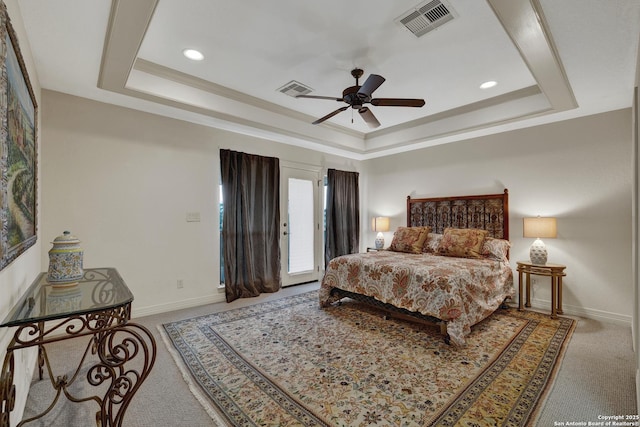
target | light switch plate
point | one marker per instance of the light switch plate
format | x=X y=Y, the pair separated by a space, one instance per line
x=193 y=216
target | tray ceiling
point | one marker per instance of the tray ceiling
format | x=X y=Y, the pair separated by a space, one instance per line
x=551 y=61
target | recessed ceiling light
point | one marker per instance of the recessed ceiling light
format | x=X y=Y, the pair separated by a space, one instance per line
x=193 y=54
x=487 y=85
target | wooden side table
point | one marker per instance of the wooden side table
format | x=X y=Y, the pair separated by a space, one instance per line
x=555 y=271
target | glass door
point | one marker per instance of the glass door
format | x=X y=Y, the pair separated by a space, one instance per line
x=301 y=241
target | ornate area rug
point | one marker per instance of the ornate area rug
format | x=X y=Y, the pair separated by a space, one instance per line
x=289 y=363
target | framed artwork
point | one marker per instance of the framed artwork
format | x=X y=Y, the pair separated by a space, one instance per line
x=18 y=148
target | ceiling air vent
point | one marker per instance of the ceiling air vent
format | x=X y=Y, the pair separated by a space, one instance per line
x=294 y=88
x=425 y=17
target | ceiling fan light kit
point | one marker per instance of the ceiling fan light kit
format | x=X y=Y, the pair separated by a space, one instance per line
x=356 y=96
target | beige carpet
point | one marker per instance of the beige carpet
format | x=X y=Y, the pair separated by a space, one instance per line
x=289 y=363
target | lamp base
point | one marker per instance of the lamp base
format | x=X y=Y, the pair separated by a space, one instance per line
x=380 y=240
x=538 y=253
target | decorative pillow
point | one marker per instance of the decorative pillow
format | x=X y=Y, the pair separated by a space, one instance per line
x=409 y=239
x=497 y=249
x=432 y=243
x=462 y=242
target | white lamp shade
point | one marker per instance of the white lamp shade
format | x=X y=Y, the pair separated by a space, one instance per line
x=380 y=223
x=540 y=227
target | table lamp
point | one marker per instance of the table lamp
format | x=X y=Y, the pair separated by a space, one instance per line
x=538 y=228
x=380 y=224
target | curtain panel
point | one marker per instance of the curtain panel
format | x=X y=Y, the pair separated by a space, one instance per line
x=251 y=224
x=343 y=214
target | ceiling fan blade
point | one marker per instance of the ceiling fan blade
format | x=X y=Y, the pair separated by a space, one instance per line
x=331 y=98
x=372 y=83
x=397 y=102
x=328 y=116
x=368 y=117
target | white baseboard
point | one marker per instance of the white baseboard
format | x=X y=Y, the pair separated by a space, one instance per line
x=589 y=313
x=543 y=305
x=177 y=305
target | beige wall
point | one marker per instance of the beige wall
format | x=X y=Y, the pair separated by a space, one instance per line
x=122 y=181
x=578 y=171
x=17 y=276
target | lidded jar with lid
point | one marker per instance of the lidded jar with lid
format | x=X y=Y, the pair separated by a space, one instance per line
x=65 y=259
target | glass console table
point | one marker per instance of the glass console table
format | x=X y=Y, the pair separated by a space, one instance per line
x=99 y=306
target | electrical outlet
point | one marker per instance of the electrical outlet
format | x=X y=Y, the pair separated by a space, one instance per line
x=180 y=283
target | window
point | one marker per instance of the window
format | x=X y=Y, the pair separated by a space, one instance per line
x=301 y=226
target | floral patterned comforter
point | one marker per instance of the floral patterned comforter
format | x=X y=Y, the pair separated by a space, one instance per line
x=460 y=291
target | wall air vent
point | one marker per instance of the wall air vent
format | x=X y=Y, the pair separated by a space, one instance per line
x=425 y=17
x=294 y=88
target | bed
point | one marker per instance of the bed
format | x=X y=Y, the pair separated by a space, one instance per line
x=449 y=265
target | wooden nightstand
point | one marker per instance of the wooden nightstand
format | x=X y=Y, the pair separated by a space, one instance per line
x=555 y=271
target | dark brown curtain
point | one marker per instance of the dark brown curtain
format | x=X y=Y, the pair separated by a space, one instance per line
x=343 y=214
x=251 y=224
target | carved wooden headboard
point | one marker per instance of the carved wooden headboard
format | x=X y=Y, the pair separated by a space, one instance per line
x=487 y=212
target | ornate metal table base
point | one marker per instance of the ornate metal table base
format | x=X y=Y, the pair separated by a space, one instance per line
x=117 y=348
x=7 y=390
x=119 y=354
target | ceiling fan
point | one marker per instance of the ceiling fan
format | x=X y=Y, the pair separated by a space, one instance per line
x=356 y=96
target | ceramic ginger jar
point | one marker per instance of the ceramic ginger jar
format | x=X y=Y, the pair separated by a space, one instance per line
x=65 y=260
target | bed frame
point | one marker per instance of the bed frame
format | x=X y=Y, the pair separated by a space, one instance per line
x=486 y=212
